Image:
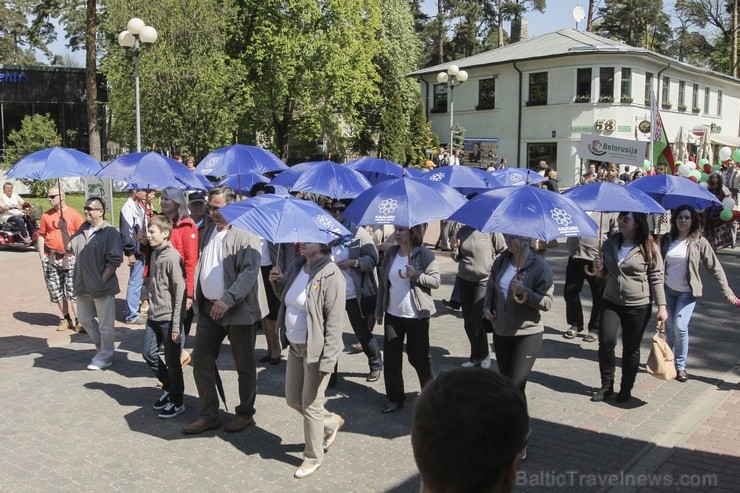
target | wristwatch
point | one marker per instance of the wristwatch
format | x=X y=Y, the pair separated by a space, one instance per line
x=357 y=263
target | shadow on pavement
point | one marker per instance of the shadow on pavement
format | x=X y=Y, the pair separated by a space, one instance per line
x=42 y=319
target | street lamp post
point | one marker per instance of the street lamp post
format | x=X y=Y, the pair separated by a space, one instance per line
x=453 y=78
x=137 y=32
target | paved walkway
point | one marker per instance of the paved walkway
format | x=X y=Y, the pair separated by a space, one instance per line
x=67 y=429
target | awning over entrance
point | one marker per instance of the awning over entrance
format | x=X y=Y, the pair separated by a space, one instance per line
x=726 y=140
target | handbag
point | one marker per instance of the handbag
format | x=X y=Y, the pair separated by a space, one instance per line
x=660 y=363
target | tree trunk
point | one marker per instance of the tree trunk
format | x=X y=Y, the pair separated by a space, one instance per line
x=440 y=34
x=735 y=34
x=91 y=83
x=500 y=26
x=590 y=18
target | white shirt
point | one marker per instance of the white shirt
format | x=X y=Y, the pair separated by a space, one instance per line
x=400 y=301
x=134 y=215
x=506 y=279
x=265 y=261
x=340 y=253
x=211 y=266
x=454 y=161
x=296 y=315
x=622 y=254
x=14 y=202
x=677 y=266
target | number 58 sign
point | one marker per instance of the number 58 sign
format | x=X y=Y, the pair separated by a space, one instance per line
x=605 y=125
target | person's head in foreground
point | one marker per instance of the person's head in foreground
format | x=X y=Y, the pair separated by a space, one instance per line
x=470 y=427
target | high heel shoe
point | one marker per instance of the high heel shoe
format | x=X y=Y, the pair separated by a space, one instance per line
x=392 y=407
x=602 y=394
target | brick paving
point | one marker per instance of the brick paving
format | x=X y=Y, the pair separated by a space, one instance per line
x=67 y=429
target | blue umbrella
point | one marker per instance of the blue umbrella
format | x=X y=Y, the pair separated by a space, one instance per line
x=414 y=172
x=514 y=177
x=323 y=178
x=464 y=179
x=239 y=158
x=376 y=169
x=532 y=212
x=605 y=196
x=242 y=183
x=151 y=170
x=404 y=202
x=284 y=219
x=54 y=162
x=671 y=191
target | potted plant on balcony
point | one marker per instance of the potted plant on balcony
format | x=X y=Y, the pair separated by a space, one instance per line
x=695 y=109
x=626 y=99
x=582 y=98
x=606 y=99
x=682 y=107
x=666 y=105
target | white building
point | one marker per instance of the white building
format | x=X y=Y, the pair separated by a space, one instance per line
x=533 y=99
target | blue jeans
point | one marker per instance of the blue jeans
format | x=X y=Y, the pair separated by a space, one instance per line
x=133 y=290
x=169 y=371
x=680 y=306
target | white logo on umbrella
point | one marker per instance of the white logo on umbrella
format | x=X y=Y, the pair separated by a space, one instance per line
x=208 y=166
x=561 y=217
x=387 y=206
x=437 y=177
x=326 y=222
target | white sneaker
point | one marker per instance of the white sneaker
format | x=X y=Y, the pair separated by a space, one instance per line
x=468 y=364
x=486 y=363
x=97 y=364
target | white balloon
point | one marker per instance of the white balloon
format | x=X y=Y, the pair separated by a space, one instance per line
x=684 y=169
x=728 y=203
x=725 y=153
x=704 y=184
x=692 y=165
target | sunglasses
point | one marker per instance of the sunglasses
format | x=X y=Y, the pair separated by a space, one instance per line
x=212 y=208
x=624 y=219
x=52 y=197
x=90 y=209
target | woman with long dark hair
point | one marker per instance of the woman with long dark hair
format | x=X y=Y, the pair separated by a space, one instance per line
x=633 y=267
x=683 y=249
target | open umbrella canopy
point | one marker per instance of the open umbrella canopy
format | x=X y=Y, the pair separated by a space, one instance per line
x=284 y=219
x=239 y=158
x=604 y=196
x=376 y=169
x=515 y=177
x=151 y=170
x=404 y=202
x=324 y=178
x=464 y=179
x=531 y=212
x=242 y=183
x=671 y=191
x=54 y=162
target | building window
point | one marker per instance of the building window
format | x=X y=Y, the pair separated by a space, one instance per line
x=706 y=100
x=486 y=94
x=665 y=98
x=537 y=89
x=537 y=152
x=606 y=84
x=648 y=88
x=719 y=103
x=681 y=96
x=626 y=86
x=695 y=98
x=583 y=85
x=440 y=98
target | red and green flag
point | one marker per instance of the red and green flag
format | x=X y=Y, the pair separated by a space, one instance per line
x=662 y=152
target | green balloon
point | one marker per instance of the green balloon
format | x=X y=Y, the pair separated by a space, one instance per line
x=704 y=177
x=646 y=164
x=726 y=214
x=736 y=155
x=703 y=161
x=716 y=167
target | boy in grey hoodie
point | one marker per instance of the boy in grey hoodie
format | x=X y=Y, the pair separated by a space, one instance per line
x=167 y=291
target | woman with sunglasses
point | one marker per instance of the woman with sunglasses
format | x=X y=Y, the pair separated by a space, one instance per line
x=631 y=262
x=407 y=276
x=99 y=252
x=310 y=321
x=683 y=249
x=519 y=289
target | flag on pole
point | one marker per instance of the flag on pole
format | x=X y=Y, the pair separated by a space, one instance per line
x=662 y=152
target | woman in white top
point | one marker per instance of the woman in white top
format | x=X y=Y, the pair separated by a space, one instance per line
x=683 y=248
x=310 y=321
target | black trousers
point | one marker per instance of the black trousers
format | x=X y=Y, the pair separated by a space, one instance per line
x=574 y=277
x=361 y=328
x=515 y=356
x=633 y=320
x=417 y=349
x=471 y=301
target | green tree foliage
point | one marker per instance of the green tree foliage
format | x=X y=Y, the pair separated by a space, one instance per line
x=636 y=22
x=422 y=138
x=190 y=99
x=309 y=68
x=394 y=143
x=705 y=34
x=17 y=40
x=36 y=133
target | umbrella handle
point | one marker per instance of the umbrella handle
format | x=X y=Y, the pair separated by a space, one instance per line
x=590 y=272
x=521 y=299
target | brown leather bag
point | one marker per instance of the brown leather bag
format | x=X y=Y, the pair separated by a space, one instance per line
x=660 y=363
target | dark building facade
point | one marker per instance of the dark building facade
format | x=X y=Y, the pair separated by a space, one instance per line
x=56 y=91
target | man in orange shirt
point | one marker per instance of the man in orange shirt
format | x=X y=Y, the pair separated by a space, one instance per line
x=58 y=264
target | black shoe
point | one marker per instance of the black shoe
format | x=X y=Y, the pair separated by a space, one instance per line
x=172 y=410
x=162 y=402
x=623 y=396
x=602 y=394
x=589 y=338
x=275 y=361
x=265 y=358
x=452 y=305
x=392 y=407
x=682 y=376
